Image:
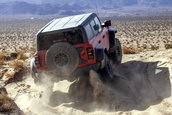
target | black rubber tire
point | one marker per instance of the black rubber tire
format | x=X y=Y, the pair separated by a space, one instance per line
x=107 y=71
x=62 y=58
x=36 y=76
x=116 y=56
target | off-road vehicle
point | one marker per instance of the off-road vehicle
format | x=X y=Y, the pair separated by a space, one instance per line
x=70 y=46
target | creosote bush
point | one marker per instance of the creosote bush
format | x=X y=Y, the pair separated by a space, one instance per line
x=130 y=50
x=168 y=46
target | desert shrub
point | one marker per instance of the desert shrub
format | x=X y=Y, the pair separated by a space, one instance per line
x=154 y=47
x=130 y=50
x=15 y=76
x=14 y=55
x=20 y=55
x=2 y=56
x=17 y=64
x=168 y=46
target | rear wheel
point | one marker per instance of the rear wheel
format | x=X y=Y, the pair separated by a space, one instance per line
x=36 y=76
x=63 y=59
x=116 y=55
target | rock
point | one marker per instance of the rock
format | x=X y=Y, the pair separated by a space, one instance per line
x=7 y=105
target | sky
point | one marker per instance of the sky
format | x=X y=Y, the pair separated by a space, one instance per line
x=120 y=2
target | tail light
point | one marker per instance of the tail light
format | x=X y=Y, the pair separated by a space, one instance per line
x=90 y=52
x=86 y=53
x=37 y=61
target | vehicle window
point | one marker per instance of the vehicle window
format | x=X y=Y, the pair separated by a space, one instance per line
x=98 y=23
x=73 y=37
x=89 y=31
x=92 y=23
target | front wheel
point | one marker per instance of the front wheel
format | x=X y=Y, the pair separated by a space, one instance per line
x=107 y=72
x=116 y=55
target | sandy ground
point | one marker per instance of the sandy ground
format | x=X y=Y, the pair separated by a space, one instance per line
x=142 y=86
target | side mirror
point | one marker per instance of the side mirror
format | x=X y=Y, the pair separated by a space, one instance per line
x=106 y=23
x=115 y=31
x=96 y=27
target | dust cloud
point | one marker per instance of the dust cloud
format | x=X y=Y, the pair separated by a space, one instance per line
x=136 y=86
x=40 y=104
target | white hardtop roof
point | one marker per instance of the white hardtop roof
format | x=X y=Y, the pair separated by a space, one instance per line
x=66 y=22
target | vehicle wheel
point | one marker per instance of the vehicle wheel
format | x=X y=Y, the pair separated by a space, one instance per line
x=42 y=78
x=116 y=56
x=35 y=75
x=62 y=58
x=107 y=72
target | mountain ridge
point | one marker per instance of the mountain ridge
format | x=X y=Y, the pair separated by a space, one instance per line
x=67 y=7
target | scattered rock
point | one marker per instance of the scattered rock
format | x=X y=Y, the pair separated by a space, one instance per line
x=7 y=105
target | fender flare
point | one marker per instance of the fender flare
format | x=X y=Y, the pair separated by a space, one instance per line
x=100 y=52
x=112 y=33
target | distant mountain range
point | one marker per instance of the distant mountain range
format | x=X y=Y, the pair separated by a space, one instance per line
x=70 y=7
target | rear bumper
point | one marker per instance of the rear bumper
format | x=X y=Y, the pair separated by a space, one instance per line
x=77 y=73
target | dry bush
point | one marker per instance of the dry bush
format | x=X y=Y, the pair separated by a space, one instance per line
x=1 y=62
x=130 y=50
x=168 y=46
x=9 y=75
x=13 y=55
x=16 y=76
x=7 y=105
x=2 y=72
x=17 y=64
x=14 y=67
x=13 y=75
x=21 y=55
x=2 y=56
x=154 y=47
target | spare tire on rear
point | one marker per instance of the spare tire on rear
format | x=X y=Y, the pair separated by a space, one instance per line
x=62 y=58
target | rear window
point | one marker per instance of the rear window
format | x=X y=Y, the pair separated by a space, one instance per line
x=89 y=31
x=73 y=37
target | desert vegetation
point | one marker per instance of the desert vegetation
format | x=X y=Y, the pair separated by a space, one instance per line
x=17 y=45
x=145 y=33
x=18 y=36
x=18 y=39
